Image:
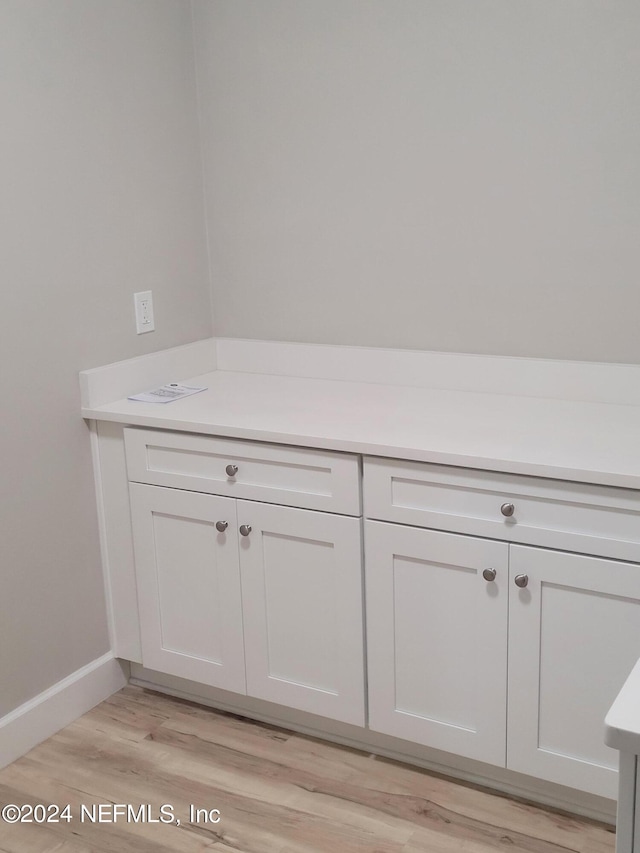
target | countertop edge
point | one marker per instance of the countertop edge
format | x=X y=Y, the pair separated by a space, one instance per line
x=622 y=722
x=388 y=451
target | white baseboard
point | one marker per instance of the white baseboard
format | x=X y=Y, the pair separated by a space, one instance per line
x=60 y=705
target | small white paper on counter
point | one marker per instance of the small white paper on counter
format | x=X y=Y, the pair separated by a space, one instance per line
x=166 y=393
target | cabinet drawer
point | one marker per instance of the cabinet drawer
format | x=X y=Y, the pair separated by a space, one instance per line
x=295 y=477
x=552 y=513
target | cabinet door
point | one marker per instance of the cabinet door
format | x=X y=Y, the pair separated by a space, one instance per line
x=436 y=639
x=302 y=597
x=574 y=636
x=188 y=581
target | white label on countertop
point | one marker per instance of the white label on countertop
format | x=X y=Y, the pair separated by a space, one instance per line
x=166 y=393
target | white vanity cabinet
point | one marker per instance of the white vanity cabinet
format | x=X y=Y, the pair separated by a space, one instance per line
x=622 y=732
x=497 y=650
x=483 y=513
x=436 y=639
x=188 y=581
x=235 y=592
x=574 y=636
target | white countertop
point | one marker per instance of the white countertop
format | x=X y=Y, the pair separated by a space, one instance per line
x=571 y=440
x=622 y=723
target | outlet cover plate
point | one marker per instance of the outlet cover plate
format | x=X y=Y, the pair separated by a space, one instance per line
x=143 y=303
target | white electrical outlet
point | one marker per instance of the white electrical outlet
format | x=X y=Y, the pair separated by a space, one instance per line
x=143 y=302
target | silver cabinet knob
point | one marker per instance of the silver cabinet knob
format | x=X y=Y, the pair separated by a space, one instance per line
x=231 y=470
x=221 y=526
x=521 y=580
x=507 y=510
x=489 y=575
x=245 y=529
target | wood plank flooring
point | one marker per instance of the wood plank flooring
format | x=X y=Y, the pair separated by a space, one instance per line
x=277 y=792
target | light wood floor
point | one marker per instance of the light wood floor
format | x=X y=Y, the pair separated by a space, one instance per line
x=277 y=792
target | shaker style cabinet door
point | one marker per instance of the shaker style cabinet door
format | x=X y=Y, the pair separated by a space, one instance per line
x=574 y=637
x=302 y=597
x=188 y=582
x=437 y=638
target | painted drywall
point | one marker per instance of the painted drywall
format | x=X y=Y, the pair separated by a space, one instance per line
x=101 y=196
x=440 y=174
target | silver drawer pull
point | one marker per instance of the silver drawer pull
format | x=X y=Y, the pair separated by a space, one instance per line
x=521 y=580
x=221 y=526
x=507 y=510
x=231 y=470
x=489 y=575
x=245 y=529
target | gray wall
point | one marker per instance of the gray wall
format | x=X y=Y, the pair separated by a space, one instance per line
x=101 y=195
x=420 y=173
x=440 y=174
